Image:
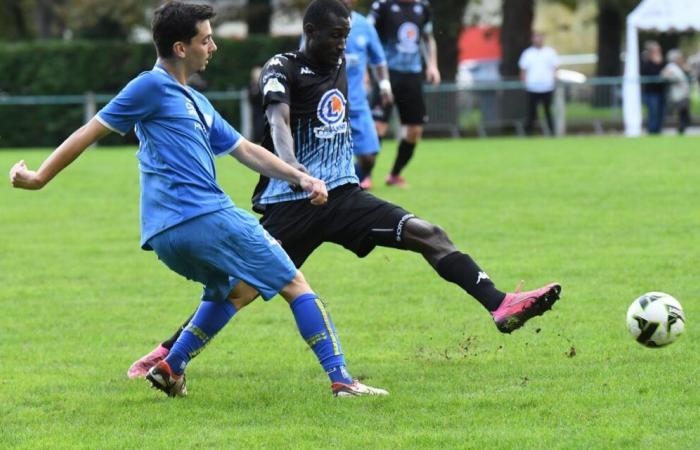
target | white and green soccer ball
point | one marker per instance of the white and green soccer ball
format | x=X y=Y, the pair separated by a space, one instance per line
x=655 y=319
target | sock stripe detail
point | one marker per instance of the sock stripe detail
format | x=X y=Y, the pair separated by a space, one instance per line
x=198 y=332
x=331 y=334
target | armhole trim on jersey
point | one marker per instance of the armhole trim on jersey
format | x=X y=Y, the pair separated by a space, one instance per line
x=233 y=147
x=107 y=125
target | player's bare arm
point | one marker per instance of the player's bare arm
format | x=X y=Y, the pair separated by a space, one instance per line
x=278 y=116
x=262 y=161
x=432 y=73
x=23 y=178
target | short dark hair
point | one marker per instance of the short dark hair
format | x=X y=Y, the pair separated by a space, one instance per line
x=319 y=10
x=177 y=21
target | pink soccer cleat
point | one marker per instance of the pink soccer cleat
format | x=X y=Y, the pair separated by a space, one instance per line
x=356 y=389
x=396 y=180
x=366 y=183
x=140 y=368
x=519 y=307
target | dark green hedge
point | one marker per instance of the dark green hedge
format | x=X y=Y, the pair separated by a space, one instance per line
x=62 y=68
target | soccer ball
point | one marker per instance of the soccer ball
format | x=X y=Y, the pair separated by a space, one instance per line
x=655 y=319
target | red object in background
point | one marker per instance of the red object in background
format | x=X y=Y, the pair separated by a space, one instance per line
x=479 y=43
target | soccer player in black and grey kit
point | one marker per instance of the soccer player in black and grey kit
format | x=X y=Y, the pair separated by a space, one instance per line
x=406 y=30
x=304 y=98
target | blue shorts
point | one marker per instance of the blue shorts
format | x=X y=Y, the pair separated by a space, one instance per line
x=364 y=135
x=220 y=249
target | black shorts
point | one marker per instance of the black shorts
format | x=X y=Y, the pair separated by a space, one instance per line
x=353 y=218
x=408 y=97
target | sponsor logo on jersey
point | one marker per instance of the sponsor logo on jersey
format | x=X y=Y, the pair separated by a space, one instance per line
x=273 y=85
x=408 y=38
x=306 y=71
x=331 y=113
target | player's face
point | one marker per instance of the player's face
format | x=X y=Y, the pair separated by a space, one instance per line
x=201 y=48
x=326 y=44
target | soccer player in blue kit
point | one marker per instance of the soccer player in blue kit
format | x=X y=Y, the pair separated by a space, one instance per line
x=304 y=95
x=363 y=47
x=186 y=218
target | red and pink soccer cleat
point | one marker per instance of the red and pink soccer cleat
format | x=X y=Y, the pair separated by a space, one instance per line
x=366 y=183
x=519 y=307
x=140 y=368
x=162 y=378
x=396 y=180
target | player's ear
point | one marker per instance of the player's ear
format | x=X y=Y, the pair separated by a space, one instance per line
x=309 y=29
x=179 y=49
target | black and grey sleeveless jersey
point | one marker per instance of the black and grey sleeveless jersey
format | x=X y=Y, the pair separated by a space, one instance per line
x=318 y=119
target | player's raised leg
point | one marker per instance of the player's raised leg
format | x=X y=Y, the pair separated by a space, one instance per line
x=510 y=311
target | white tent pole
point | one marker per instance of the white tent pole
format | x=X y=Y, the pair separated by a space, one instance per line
x=631 y=96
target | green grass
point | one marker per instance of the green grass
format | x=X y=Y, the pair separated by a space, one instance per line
x=610 y=218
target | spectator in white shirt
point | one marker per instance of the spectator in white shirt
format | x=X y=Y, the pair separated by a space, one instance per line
x=538 y=67
x=676 y=73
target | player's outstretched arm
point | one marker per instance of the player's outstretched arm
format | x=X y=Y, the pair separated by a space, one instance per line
x=266 y=163
x=23 y=178
x=432 y=73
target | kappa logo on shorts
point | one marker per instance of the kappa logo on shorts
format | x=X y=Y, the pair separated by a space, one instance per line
x=408 y=38
x=331 y=113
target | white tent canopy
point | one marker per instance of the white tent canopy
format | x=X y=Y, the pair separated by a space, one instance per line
x=651 y=15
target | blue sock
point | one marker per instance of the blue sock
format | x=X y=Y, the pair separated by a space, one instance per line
x=317 y=329
x=359 y=172
x=207 y=321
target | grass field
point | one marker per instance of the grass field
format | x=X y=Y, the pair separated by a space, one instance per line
x=608 y=217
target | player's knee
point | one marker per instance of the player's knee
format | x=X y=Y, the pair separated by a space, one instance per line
x=295 y=288
x=427 y=237
x=242 y=296
x=414 y=133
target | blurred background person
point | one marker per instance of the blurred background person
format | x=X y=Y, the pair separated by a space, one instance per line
x=538 y=66
x=653 y=92
x=677 y=73
x=405 y=28
x=255 y=99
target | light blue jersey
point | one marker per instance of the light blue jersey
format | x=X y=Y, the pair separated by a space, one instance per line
x=363 y=46
x=179 y=133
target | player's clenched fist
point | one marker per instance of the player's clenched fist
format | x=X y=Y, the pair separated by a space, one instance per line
x=22 y=177
x=316 y=189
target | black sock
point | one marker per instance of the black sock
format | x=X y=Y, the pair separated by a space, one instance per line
x=403 y=156
x=170 y=342
x=460 y=269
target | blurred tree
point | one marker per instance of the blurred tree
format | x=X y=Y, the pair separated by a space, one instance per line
x=13 y=20
x=257 y=16
x=101 y=19
x=49 y=21
x=448 y=23
x=516 y=32
x=611 y=23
